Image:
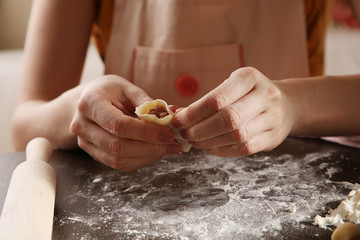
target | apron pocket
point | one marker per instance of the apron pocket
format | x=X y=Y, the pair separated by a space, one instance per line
x=182 y=76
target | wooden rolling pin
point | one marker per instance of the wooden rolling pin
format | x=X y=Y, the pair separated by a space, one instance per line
x=29 y=205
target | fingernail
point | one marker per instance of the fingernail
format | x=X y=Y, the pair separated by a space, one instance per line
x=175 y=148
x=179 y=109
x=176 y=123
x=173 y=108
x=184 y=134
x=166 y=137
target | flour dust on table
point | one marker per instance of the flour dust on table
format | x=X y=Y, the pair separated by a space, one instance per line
x=201 y=196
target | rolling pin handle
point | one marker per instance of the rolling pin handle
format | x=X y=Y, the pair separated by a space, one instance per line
x=39 y=149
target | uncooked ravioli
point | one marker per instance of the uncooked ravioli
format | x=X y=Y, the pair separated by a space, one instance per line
x=158 y=112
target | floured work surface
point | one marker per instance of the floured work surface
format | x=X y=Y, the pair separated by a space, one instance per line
x=273 y=195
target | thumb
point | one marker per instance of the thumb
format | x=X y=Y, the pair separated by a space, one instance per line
x=136 y=95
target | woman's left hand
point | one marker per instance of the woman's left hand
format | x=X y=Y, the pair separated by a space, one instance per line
x=247 y=113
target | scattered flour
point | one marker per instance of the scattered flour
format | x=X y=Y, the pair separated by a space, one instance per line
x=201 y=196
x=349 y=209
x=292 y=208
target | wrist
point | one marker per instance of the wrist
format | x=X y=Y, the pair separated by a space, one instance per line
x=291 y=106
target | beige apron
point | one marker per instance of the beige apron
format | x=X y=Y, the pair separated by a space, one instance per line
x=178 y=50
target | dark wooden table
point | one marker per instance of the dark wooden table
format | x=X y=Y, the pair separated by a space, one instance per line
x=271 y=195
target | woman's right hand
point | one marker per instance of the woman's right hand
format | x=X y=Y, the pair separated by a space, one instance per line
x=107 y=128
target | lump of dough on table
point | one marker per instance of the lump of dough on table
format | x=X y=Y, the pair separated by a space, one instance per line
x=158 y=112
x=348 y=209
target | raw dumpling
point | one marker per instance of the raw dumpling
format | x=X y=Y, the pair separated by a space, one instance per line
x=158 y=112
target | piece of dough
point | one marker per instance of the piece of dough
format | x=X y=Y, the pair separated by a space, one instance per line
x=348 y=209
x=346 y=231
x=143 y=111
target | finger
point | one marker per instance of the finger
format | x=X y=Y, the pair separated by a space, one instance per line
x=261 y=123
x=265 y=141
x=117 y=91
x=240 y=83
x=125 y=93
x=114 y=121
x=135 y=95
x=228 y=118
x=179 y=109
x=123 y=147
x=113 y=161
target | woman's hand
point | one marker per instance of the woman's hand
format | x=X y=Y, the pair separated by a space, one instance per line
x=107 y=128
x=246 y=114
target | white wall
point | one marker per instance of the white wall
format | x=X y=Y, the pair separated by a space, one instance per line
x=343 y=51
x=14 y=16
